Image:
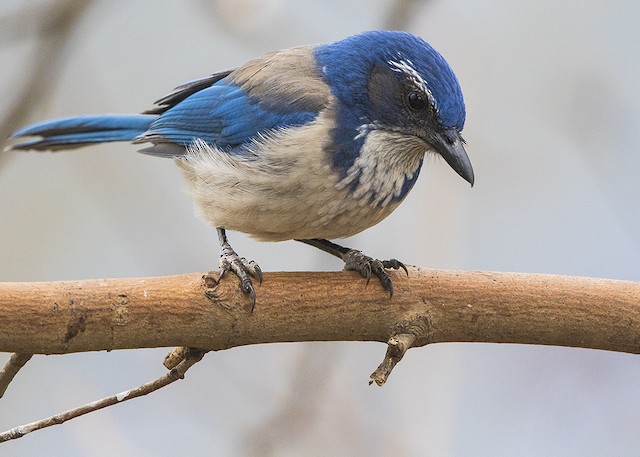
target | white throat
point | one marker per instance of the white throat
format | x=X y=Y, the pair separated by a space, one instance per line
x=387 y=160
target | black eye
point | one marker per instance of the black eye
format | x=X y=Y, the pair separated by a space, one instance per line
x=417 y=100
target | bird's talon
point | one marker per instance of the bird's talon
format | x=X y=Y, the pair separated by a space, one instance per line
x=367 y=267
x=387 y=284
x=247 y=287
x=257 y=271
x=248 y=290
x=395 y=264
x=243 y=268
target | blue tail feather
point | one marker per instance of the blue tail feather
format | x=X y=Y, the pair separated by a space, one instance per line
x=75 y=132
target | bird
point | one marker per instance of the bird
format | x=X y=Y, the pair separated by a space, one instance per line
x=312 y=143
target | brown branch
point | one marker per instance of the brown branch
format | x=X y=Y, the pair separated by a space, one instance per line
x=398 y=345
x=194 y=311
x=434 y=305
x=189 y=359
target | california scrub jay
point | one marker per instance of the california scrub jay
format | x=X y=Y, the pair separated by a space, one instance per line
x=309 y=143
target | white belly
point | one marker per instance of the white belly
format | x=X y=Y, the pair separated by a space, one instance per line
x=290 y=191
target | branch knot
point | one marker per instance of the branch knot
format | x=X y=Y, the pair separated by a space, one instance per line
x=412 y=332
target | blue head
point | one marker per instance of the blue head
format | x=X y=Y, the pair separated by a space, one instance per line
x=397 y=82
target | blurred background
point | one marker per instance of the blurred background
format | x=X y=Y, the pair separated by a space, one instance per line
x=553 y=121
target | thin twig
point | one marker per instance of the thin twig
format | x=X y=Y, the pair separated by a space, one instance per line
x=11 y=368
x=398 y=346
x=191 y=358
x=410 y=333
x=174 y=357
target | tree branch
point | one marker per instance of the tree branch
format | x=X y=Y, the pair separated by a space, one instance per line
x=176 y=373
x=432 y=305
x=194 y=311
x=11 y=368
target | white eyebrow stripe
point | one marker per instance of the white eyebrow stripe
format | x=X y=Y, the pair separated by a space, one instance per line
x=406 y=66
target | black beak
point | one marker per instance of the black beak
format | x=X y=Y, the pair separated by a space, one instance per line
x=450 y=146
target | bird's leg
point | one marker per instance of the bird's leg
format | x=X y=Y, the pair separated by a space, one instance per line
x=357 y=261
x=230 y=261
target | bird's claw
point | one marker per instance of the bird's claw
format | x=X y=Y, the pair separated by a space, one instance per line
x=244 y=269
x=367 y=266
x=395 y=264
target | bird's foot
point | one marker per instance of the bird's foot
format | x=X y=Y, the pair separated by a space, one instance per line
x=366 y=266
x=243 y=268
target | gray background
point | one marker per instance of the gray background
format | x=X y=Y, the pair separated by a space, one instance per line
x=552 y=92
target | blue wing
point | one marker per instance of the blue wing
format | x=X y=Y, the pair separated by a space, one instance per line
x=184 y=90
x=225 y=110
x=228 y=109
x=223 y=115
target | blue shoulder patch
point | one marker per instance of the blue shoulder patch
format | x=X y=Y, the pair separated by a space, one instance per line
x=222 y=115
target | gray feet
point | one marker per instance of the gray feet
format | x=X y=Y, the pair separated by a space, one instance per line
x=366 y=266
x=357 y=261
x=353 y=260
x=243 y=268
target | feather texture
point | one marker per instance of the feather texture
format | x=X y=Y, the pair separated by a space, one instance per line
x=75 y=132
